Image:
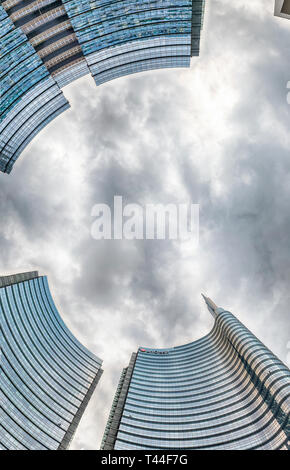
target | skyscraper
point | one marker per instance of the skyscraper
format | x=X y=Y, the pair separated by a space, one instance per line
x=224 y=391
x=46 y=375
x=282 y=8
x=47 y=44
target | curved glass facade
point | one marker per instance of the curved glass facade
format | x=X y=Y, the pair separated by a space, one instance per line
x=46 y=375
x=46 y=44
x=225 y=391
x=29 y=97
x=124 y=36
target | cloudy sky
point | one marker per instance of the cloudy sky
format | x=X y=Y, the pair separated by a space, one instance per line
x=216 y=135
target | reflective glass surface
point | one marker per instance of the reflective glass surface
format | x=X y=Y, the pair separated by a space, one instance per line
x=135 y=36
x=224 y=391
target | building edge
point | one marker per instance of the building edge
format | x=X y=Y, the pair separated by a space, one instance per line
x=68 y=437
x=112 y=427
x=11 y=279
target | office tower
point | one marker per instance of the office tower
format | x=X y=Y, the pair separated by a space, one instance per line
x=282 y=8
x=226 y=391
x=46 y=375
x=47 y=44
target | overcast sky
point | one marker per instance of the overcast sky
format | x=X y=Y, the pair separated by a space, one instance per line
x=217 y=135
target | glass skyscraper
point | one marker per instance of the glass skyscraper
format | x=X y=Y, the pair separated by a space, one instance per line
x=46 y=375
x=46 y=44
x=226 y=391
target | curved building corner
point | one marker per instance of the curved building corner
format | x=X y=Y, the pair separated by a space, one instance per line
x=47 y=376
x=225 y=391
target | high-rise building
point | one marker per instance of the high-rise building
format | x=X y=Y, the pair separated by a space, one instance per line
x=46 y=375
x=282 y=8
x=224 y=391
x=46 y=44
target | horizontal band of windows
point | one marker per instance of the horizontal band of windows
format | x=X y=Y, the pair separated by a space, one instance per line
x=123 y=443
x=11 y=85
x=11 y=45
x=187 y=350
x=137 y=45
x=153 y=394
x=11 y=441
x=247 y=389
x=169 y=54
x=117 y=21
x=51 y=368
x=254 y=434
x=190 y=386
x=12 y=67
x=231 y=410
x=52 y=39
x=157 y=63
x=29 y=14
x=7 y=164
x=16 y=152
x=249 y=442
x=200 y=370
x=26 y=109
x=245 y=395
x=228 y=363
x=65 y=62
x=30 y=292
x=233 y=415
x=78 y=359
x=36 y=401
x=231 y=363
x=137 y=29
x=21 y=4
x=54 y=17
x=60 y=58
x=212 y=432
x=8 y=28
x=32 y=81
x=50 y=33
x=75 y=10
x=42 y=427
x=12 y=324
x=82 y=354
x=141 y=373
x=19 y=431
x=224 y=382
x=70 y=73
x=142 y=67
x=118 y=59
x=212 y=417
x=37 y=375
x=67 y=41
x=116 y=9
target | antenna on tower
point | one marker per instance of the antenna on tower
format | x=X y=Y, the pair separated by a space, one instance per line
x=212 y=307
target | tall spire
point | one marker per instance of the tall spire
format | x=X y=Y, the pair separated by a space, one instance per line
x=212 y=307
